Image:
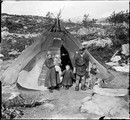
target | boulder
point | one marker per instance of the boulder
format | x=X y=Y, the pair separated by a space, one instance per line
x=88 y=98
x=112 y=63
x=116 y=58
x=109 y=91
x=125 y=49
x=124 y=68
x=49 y=106
x=113 y=107
x=91 y=107
x=1 y=55
x=1 y=60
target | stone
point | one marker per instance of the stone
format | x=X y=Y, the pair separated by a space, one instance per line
x=119 y=113
x=91 y=107
x=105 y=106
x=125 y=49
x=86 y=99
x=110 y=92
x=49 y=106
x=13 y=95
x=116 y=58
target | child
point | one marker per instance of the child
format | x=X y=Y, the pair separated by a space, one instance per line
x=103 y=82
x=57 y=62
x=93 y=73
x=68 y=77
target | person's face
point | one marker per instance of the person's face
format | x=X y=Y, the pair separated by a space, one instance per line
x=81 y=52
x=67 y=67
x=49 y=56
x=94 y=66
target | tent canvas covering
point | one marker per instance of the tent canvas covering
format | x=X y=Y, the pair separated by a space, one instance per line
x=26 y=69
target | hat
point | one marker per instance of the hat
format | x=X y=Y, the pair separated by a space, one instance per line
x=82 y=48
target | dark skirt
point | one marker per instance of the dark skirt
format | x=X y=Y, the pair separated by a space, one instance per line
x=68 y=82
x=52 y=78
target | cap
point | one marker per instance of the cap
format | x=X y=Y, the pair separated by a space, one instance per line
x=82 y=48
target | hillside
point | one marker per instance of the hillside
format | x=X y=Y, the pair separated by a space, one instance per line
x=20 y=31
x=23 y=23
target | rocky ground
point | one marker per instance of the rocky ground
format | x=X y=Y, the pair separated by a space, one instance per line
x=71 y=104
x=64 y=104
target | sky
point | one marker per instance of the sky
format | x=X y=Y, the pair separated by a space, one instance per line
x=70 y=9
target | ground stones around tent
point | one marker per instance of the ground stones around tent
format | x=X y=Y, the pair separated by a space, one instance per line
x=124 y=68
x=125 y=49
x=109 y=91
x=49 y=106
x=113 y=107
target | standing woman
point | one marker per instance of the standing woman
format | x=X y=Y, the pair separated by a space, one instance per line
x=52 y=79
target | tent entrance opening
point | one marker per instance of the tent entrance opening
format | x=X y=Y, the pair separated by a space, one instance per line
x=65 y=59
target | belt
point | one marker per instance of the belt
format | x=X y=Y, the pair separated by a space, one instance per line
x=81 y=65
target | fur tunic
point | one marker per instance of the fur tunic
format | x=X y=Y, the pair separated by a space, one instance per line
x=81 y=63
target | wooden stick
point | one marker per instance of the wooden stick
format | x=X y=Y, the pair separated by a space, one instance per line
x=115 y=53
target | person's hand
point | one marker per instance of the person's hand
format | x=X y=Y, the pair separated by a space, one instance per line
x=74 y=71
x=87 y=69
x=54 y=63
x=97 y=71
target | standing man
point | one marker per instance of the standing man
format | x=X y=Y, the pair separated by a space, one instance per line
x=81 y=65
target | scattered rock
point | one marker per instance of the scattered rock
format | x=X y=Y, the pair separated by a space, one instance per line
x=91 y=107
x=105 y=106
x=13 y=95
x=109 y=91
x=116 y=58
x=63 y=107
x=86 y=99
x=50 y=106
x=1 y=60
x=125 y=49
x=119 y=113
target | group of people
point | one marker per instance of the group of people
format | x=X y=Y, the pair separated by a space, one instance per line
x=55 y=78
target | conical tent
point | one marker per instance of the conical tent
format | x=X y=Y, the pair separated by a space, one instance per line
x=26 y=69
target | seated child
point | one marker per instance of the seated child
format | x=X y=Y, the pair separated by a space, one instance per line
x=68 y=77
x=93 y=73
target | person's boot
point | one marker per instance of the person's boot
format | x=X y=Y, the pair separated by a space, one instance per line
x=77 y=88
x=50 y=90
x=83 y=87
x=60 y=85
x=57 y=88
x=67 y=87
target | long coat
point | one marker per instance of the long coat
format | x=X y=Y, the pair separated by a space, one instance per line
x=52 y=77
x=68 y=77
x=81 y=63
